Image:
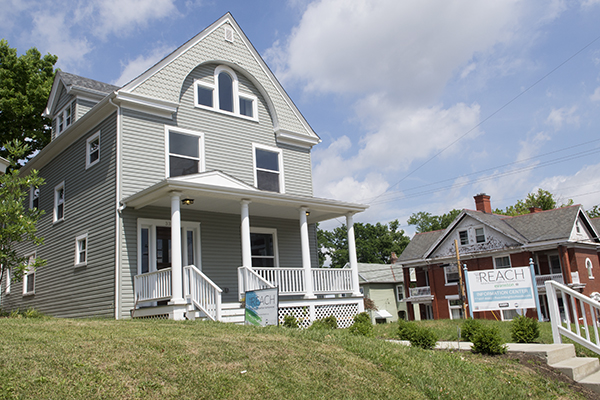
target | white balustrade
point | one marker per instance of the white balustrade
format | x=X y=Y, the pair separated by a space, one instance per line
x=249 y=280
x=419 y=291
x=332 y=280
x=153 y=286
x=540 y=280
x=580 y=315
x=289 y=280
x=202 y=292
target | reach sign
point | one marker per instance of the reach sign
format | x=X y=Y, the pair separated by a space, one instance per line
x=501 y=289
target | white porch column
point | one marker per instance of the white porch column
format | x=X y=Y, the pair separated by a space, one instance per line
x=304 y=242
x=246 y=245
x=176 y=270
x=352 y=254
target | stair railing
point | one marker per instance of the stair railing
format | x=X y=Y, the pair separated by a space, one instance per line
x=203 y=293
x=249 y=280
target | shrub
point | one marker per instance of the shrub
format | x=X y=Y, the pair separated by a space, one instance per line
x=524 y=330
x=324 y=323
x=362 y=325
x=488 y=341
x=423 y=338
x=289 y=321
x=406 y=329
x=369 y=304
x=469 y=329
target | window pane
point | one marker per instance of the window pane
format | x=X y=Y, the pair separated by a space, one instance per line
x=182 y=166
x=59 y=211
x=267 y=160
x=503 y=262
x=464 y=237
x=205 y=96
x=258 y=262
x=30 y=282
x=555 y=264
x=225 y=92
x=267 y=181
x=190 y=248
x=246 y=107
x=479 y=235
x=145 y=251
x=262 y=244
x=94 y=150
x=184 y=145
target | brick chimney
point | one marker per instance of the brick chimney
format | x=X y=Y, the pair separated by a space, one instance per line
x=533 y=210
x=482 y=203
x=393 y=258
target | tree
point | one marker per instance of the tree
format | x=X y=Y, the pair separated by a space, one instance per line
x=25 y=83
x=426 y=222
x=374 y=243
x=543 y=199
x=17 y=221
x=594 y=212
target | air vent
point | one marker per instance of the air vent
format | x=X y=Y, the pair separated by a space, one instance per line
x=229 y=34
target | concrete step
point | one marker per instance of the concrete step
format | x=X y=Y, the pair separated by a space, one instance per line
x=577 y=368
x=231 y=306
x=234 y=319
x=552 y=353
x=592 y=382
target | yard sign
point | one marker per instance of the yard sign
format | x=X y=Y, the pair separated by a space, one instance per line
x=262 y=307
x=501 y=289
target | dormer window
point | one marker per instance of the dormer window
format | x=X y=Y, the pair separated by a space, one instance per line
x=223 y=95
x=63 y=119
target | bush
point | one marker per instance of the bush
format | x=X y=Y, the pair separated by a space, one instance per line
x=362 y=325
x=29 y=313
x=289 y=321
x=469 y=329
x=423 y=338
x=324 y=323
x=524 y=330
x=406 y=330
x=488 y=341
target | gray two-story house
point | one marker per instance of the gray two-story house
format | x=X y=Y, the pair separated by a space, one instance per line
x=175 y=194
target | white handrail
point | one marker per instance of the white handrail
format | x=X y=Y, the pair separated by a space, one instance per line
x=153 y=286
x=332 y=280
x=249 y=280
x=288 y=280
x=578 y=309
x=202 y=292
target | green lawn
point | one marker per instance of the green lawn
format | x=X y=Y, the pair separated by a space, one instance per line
x=101 y=359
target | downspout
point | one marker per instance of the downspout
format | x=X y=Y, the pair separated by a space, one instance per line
x=118 y=210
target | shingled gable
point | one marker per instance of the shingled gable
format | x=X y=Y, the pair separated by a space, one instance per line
x=419 y=245
x=163 y=81
x=380 y=273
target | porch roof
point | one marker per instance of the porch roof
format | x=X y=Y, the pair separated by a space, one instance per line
x=216 y=191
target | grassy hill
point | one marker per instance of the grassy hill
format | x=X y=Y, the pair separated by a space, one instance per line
x=101 y=359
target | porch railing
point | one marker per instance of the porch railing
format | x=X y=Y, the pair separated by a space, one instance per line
x=419 y=291
x=153 y=286
x=540 y=280
x=289 y=280
x=581 y=315
x=202 y=292
x=249 y=280
x=332 y=280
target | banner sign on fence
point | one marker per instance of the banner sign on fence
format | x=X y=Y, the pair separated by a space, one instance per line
x=262 y=307
x=501 y=289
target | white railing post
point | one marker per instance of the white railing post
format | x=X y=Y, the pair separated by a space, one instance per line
x=176 y=265
x=352 y=255
x=553 y=311
x=245 y=230
x=308 y=278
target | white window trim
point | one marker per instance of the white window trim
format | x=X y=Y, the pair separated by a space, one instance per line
x=55 y=212
x=450 y=308
x=485 y=238
x=77 y=240
x=62 y=115
x=214 y=86
x=95 y=136
x=459 y=239
x=28 y=272
x=151 y=225
x=589 y=266
x=446 y=277
x=32 y=192
x=272 y=231
x=279 y=158
x=502 y=256
x=200 y=135
x=7 y=291
x=400 y=289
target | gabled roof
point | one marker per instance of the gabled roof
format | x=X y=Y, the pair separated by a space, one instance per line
x=596 y=223
x=380 y=273
x=4 y=163
x=419 y=245
x=71 y=80
x=547 y=225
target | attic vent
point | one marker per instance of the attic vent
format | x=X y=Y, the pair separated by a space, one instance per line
x=229 y=34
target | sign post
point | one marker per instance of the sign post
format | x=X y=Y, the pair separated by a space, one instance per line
x=535 y=290
x=262 y=307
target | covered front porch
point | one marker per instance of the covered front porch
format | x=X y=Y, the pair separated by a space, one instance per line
x=273 y=240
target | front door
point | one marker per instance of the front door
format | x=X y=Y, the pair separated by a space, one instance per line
x=163 y=247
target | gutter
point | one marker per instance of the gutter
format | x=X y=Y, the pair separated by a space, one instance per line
x=119 y=208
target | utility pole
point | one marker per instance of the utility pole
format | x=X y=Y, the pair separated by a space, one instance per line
x=461 y=286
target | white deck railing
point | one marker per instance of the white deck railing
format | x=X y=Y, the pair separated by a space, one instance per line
x=249 y=280
x=289 y=280
x=419 y=291
x=332 y=280
x=580 y=313
x=202 y=292
x=153 y=286
x=540 y=280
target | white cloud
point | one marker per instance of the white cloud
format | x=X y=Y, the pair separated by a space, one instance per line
x=596 y=95
x=133 y=68
x=560 y=116
x=583 y=186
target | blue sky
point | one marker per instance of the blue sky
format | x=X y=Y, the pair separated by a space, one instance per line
x=420 y=105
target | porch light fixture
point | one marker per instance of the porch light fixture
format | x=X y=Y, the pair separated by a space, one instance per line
x=187 y=202
x=307 y=213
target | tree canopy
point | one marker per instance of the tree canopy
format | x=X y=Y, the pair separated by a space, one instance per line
x=542 y=199
x=25 y=84
x=17 y=221
x=374 y=243
x=594 y=212
x=425 y=222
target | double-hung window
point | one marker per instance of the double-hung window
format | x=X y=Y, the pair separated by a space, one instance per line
x=185 y=152
x=59 y=202
x=464 y=237
x=29 y=276
x=263 y=244
x=399 y=292
x=92 y=151
x=34 y=195
x=456 y=308
x=268 y=174
x=63 y=119
x=451 y=274
x=81 y=247
x=479 y=235
x=502 y=262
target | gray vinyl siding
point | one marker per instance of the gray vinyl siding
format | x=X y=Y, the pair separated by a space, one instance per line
x=220 y=244
x=63 y=99
x=61 y=289
x=312 y=239
x=83 y=106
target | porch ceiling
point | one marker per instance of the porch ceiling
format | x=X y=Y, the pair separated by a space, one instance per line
x=226 y=199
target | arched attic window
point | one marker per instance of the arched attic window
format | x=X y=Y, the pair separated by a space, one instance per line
x=223 y=95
